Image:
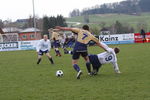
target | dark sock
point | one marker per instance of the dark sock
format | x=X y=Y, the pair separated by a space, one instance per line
x=58 y=52
x=39 y=60
x=76 y=67
x=88 y=66
x=51 y=60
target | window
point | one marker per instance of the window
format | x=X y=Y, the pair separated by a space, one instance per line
x=32 y=36
x=24 y=36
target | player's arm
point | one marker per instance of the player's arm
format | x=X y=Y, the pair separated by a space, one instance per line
x=115 y=64
x=49 y=45
x=98 y=43
x=63 y=28
x=76 y=30
x=38 y=46
x=116 y=68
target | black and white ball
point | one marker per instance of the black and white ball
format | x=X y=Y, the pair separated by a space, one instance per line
x=59 y=73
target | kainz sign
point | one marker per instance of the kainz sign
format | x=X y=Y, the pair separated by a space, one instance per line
x=117 y=38
x=9 y=45
x=102 y=38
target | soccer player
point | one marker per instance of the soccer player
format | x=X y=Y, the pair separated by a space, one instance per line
x=55 y=38
x=103 y=58
x=80 y=48
x=43 y=47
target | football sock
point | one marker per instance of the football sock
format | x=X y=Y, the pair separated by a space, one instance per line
x=88 y=66
x=51 y=60
x=76 y=67
x=70 y=52
x=39 y=60
x=58 y=53
x=97 y=69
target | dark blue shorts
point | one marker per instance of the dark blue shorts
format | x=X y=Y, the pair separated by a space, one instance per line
x=56 y=43
x=94 y=61
x=42 y=52
x=76 y=55
x=79 y=49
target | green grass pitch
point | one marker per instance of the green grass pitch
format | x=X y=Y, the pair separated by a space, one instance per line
x=22 y=79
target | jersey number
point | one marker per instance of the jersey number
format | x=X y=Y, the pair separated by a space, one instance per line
x=108 y=58
x=84 y=36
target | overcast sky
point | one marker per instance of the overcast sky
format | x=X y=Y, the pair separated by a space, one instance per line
x=19 y=9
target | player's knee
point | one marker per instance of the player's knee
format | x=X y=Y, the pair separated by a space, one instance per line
x=74 y=62
x=39 y=57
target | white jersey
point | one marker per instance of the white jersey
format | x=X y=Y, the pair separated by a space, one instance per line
x=43 y=45
x=108 y=57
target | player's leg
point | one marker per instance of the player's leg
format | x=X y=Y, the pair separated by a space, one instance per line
x=50 y=58
x=56 y=45
x=88 y=64
x=40 y=53
x=96 y=65
x=57 y=52
x=75 y=65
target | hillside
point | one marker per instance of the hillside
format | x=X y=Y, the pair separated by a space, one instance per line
x=109 y=19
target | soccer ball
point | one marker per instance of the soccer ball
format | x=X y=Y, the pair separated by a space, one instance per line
x=59 y=73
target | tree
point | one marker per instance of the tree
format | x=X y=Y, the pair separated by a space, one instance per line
x=1 y=24
x=102 y=24
x=45 y=25
x=144 y=5
x=61 y=21
x=51 y=22
x=74 y=13
x=95 y=30
x=118 y=27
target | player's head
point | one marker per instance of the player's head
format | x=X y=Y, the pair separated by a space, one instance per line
x=117 y=50
x=85 y=27
x=45 y=37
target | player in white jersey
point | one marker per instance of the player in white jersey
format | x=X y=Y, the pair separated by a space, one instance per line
x=44 y=47
x=103 y=58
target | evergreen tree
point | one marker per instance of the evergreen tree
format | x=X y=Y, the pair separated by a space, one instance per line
x=144 y=5
x=46 y=25
x=118 y=27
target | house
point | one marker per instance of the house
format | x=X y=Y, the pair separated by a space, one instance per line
x=30 y=34
x=1 y=31
x=9 y=34
x=10 y=30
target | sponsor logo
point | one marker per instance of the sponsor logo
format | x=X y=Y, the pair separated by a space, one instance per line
x=9 y=45
x=102 y=38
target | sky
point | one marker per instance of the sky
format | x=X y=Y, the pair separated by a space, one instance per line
x=21 y=9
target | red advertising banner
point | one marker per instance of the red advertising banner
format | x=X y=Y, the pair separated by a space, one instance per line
x=148 y=37
x=138 y=38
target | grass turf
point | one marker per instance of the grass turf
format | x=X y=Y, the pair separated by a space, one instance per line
x=22 y=79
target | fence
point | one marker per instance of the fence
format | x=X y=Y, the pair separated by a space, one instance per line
x=108 y=39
